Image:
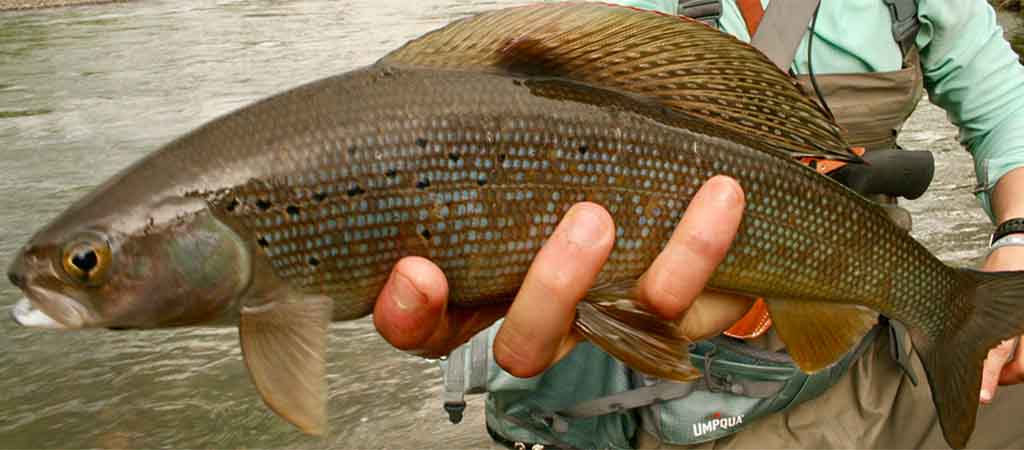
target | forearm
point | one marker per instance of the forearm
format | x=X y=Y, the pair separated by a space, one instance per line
x=1007 y=203
x=1008 y=196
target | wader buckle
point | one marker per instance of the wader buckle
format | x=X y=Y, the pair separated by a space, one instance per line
x=455 y=410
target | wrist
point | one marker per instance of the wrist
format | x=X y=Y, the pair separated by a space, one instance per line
x=1010 y=257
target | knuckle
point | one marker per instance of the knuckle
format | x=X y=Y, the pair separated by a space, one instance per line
x=658 y=292
x=702 y=244
x=513 y=352
x=556 y=282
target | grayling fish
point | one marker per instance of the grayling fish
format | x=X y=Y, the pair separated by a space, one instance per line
x=466 y=147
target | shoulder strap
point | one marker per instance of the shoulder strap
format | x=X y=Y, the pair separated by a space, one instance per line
x=905 y=24
x=783 y=26
x=707 y=11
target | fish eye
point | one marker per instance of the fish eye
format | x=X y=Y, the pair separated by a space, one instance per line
x=87 y=259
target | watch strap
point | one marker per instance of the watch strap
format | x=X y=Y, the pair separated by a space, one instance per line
x=1010 y=240
x=1008 y=227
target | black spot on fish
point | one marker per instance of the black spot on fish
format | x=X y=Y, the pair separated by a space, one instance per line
x=352 y=150
x=583 y=149
x=263 y=242
x=454 y=156
x=233 y=205
x=421 y=142
x=481 y=181
x=292 y=210
x=263 y=204
x=502 y=157
x=391 y=173
x=423 y=184
x=313 y=261
x=425 y=233
x=355 y=190
x=517 y=82
x=320 y=196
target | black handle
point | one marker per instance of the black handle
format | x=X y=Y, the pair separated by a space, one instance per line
x=900 y=173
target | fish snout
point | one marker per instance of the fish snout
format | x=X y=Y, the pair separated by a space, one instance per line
x=16 y=279
x=16 y=272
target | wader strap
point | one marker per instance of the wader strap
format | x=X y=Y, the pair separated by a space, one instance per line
x=905 y=24
x=903 y=13
x=455 y=379
x=707 y=11
x=783 y=26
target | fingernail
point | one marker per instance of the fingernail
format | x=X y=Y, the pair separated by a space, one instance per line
x=406 y=296
x=723 y=192
x=586 y=227
x=986 y=395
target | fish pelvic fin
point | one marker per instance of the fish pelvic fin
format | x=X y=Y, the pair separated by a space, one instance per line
x=819 y=334
x=283 y=344
x=611 y=319
x=993 y=311
x=679 y=62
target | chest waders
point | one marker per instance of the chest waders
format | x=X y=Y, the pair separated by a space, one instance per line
x=743 y=380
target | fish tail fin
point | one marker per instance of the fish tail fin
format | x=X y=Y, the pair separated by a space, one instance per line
x=609 y=318
x=953 y=360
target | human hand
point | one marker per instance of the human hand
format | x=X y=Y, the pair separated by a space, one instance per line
x=411 y=310
x=1005 y=363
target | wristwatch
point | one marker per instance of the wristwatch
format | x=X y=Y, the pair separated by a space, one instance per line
x=1009 y=230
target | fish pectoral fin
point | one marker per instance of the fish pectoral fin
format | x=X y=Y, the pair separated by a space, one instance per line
x=283 y=344
x=819 y=334
x=609 y=318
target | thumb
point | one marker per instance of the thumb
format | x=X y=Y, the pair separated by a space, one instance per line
x=411 y=306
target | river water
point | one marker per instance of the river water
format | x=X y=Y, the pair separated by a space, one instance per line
x=86 y=91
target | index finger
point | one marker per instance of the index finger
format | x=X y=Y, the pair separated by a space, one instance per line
x=540 y=318
x=698 y=244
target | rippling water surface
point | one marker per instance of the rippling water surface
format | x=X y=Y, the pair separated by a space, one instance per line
x=86 y=91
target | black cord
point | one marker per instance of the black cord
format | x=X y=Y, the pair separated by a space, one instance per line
x=810 y=65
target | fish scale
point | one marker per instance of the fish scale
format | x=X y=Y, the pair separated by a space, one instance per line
x=476 y=171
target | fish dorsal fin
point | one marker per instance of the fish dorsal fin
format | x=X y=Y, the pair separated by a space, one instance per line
x=682 y=63
x=819 y=334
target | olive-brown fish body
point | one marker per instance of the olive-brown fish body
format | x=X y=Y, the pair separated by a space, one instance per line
x=473 y=171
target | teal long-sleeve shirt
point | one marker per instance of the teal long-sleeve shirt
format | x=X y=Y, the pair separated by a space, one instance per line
x=969 y=69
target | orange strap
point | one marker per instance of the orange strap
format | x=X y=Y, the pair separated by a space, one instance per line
x=752 y=14
x=753 y=324
x=757 y=321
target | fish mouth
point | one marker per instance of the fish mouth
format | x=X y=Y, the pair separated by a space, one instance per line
x=49 y=310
